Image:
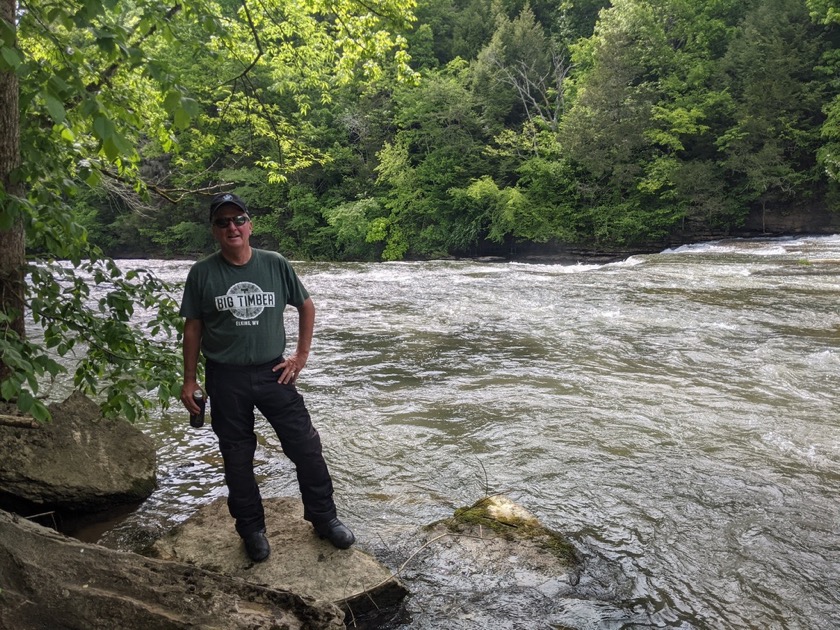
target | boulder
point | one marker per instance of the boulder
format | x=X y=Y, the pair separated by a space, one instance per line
x=299 y=562
x=495 y=531
x=488 y=549
x=78 y=462
x=50 y=581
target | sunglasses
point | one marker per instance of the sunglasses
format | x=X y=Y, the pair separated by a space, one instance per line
x=239 y=220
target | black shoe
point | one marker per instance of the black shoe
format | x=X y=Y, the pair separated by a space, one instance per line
x=256 y=546
x=336 y=532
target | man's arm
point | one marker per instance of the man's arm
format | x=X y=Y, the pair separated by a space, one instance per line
x=306 y=326
x=292 y=366
x=193 y=329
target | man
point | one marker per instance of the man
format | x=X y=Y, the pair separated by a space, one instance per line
x=233 y=304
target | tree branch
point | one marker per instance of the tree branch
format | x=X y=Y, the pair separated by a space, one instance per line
x=172 y=195
x=256 y=41
x=21 y=422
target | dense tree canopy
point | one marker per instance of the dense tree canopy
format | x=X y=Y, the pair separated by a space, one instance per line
x=358 y=132
x=602 y=124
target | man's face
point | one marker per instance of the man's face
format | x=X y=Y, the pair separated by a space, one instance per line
x=231 y=236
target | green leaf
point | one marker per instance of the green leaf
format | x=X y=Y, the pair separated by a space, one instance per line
x=93 y=178
x=7 y=33
x=128 y=411
x=109 y=146
x=48 y=365
x=103 y=127
x=11 y=57
x=182 y=119
x=90 y=106
x=25 y=401
x=9 y=389
x=124 y=147
x=57 y=85
x=40 y=412
x=55 y=108
x=172 y=101
x=106 y=42
x=190 y=106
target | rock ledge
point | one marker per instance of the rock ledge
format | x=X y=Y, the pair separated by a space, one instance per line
x=299 y=562
x=50 y=581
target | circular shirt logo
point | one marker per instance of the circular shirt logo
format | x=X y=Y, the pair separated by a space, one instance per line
x=247 y=309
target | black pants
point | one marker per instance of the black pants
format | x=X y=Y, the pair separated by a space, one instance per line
x=234 y=392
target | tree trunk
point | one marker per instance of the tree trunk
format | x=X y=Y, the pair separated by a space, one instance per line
x=12 y=253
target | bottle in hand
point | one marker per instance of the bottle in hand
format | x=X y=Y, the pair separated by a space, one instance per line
x=197 y=419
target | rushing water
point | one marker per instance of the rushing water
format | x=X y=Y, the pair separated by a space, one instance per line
x=673 y=414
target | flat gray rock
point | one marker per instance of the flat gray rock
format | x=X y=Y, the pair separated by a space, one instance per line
x=300 y=562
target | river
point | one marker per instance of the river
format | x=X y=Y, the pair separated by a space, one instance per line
x=675 y=415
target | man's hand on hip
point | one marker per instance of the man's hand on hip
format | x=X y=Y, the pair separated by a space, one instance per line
x=290 y=368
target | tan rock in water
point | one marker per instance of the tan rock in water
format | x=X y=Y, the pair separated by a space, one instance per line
x=498 y=541
x=300 y=562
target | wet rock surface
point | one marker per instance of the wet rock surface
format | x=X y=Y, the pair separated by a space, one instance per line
x=485 y=555
x=496 y=535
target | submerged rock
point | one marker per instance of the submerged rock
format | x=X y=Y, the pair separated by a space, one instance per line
x=487 y=561
x=78 y=462
x=299 y=562
x=496 y=525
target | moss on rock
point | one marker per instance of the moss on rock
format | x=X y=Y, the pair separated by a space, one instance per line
x=511 y=522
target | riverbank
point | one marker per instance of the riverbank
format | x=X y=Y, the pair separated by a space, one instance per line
x=795 y=222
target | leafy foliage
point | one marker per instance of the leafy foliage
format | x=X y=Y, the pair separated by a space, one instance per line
x=87 y=316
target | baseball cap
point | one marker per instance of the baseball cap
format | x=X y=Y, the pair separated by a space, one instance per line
x=223 y=199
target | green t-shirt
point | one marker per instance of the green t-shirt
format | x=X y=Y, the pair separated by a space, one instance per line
x=242 y=307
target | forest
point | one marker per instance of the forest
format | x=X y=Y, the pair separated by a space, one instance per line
x=465 y=123
x=377 y=130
